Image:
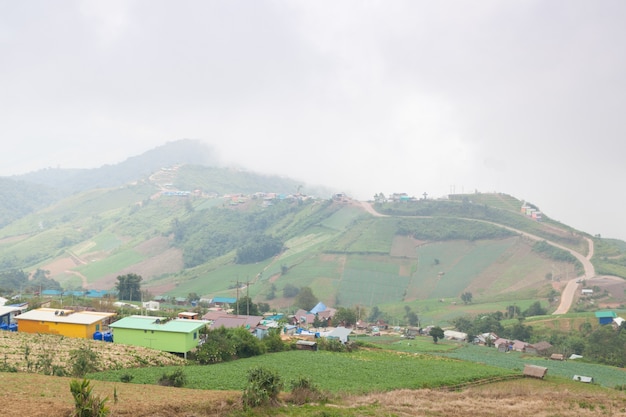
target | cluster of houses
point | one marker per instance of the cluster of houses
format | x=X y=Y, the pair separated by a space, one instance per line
x=178 y=335
x=531 y=212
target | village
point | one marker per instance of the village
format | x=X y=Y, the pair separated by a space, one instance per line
x=187 y=329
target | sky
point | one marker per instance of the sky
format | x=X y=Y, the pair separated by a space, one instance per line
x=526 y=97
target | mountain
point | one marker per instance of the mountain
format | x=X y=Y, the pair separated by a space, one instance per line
x=214 y=231
x=70 y=181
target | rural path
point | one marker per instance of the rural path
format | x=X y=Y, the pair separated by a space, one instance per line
x=569 y=292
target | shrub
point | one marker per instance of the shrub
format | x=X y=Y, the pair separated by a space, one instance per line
x=5 y=366
x=86 y=404
x=263 y=387
x=331 y=345
x=173 y=379
x=126 y=377
x=303 y=390
x=84 y=360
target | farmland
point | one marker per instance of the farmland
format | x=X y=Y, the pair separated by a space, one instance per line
x=369 y=370
x=603 y=375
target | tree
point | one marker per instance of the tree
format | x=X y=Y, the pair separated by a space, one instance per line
x=306 y=300
x=520 y=332
x=463 y=324
x=192 y=296
x=535 y=309
x=345 y=316
x=436 y=333
x=290 y=290
x=41 y=281
x=129 y=287
x=411 y=317
x=375 y=314
x=512 y=311
x=272 y=294
x=466 y=297
x=258 y=249
x=244 y=305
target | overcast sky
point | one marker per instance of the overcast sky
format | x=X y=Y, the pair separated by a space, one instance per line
x=521 y=97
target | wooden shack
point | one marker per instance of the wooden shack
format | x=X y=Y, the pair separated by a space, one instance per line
x=535 y=371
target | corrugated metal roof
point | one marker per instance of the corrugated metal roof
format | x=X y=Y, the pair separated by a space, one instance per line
x=68 y=316
x=150 y=323
x=227 y=300
x=6 y=310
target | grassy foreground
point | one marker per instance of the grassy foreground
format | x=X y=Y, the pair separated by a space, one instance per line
x=47 y=396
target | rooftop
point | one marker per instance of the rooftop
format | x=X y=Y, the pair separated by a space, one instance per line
x=154 y=323
x=64 y=316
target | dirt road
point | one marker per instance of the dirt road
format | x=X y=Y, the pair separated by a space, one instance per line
x=569 y=293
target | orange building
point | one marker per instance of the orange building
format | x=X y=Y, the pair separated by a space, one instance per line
x=82 y=324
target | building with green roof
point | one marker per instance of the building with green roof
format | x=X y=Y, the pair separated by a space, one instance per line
x=605 y=317
x=176 y=336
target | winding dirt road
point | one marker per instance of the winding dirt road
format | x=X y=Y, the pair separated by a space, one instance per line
x=569 y=292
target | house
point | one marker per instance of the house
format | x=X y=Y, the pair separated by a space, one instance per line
x=518 y=346
x=232 y=321
x=152 y=305
x=217 y=319
x=188 y=315
x=340 y=333
x=557 y=357
x=539 y=348
x=486 y=339
x=605 y=317
x=175 y=336
x=617 y=322
x=290 y=329
x=7 y=317
x=323 y=313
x=502 y=344
x=581 y=378
x=69 y=323
x=454 y=335
x=586 y=291
x=223 y=301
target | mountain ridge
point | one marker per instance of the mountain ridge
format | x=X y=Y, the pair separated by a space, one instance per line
x=184 y=226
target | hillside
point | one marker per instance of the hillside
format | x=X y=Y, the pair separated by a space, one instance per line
x=202 y=229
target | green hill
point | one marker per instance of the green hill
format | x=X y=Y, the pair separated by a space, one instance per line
x=203 y=229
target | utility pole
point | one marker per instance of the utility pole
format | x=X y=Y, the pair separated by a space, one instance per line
x=237 y=302
x=247 y=297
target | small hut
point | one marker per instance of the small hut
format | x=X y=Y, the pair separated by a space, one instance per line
x=535 y=371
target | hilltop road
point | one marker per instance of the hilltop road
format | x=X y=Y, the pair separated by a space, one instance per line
x=569 y=293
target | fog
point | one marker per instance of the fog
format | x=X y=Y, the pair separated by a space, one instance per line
x=519 y=97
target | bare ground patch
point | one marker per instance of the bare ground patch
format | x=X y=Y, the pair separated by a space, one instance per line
x=405 y=246
x=615 y=288
x=46 y=396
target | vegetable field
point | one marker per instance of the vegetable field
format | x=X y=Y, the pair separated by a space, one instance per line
x=357 y=372
x=604 y=375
